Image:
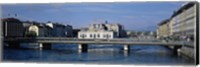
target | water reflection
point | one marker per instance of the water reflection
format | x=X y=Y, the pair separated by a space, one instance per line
x=97 y=54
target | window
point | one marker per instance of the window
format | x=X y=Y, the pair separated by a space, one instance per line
x=94 y=36
x=84 y=36
x=98 y=36
x=107 y=36
x=91 y=35
x=104 y=35
x=81 y=35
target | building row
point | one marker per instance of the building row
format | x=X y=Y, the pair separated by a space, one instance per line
x=181 y=24
x=141 y=34
x=13 y=27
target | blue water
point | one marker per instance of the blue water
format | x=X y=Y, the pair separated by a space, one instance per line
x=96 y=55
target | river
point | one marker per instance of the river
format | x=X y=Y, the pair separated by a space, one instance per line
x=109 y=54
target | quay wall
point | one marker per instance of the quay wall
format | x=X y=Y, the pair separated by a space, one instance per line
x=186 y=51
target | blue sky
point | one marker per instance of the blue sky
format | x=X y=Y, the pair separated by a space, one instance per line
x=139 y=16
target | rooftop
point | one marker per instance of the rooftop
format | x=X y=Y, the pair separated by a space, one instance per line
x=163 y=22
x=11 y=20
x=185 y=6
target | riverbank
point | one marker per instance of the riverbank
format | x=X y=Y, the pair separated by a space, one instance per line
x=186 y=51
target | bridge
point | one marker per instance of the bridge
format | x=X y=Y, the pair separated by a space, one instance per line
x=46 y=42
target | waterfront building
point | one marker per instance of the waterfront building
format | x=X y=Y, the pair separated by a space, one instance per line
x=44 y=31
x=60 y=30
x=145 y=34
x=26 y=25
x=102 y=31
x=12 y=27
x=68 y=31
x=33 y=30
x=37 y=29
x=183 y=26
x=131 y=34
x=183 y=21
x=117 y=28
x=163 y=29
x=96 y=34
x=75 y=32
x=57 y=29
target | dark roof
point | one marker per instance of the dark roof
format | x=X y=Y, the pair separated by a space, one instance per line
x=184 y=7
x=76 y=29
x=163 y=22
x=10 y=20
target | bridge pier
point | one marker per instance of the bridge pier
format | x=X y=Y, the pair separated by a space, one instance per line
x=82 y=48
x=45 y=46
x=40 y=46
x=126 y=50
x=126 y=47
x=14 y=44
x=175 y=49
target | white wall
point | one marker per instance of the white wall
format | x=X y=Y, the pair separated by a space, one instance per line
x=35 y=29
x=91 y=34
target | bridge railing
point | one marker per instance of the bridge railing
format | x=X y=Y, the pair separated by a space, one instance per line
x=92 y=40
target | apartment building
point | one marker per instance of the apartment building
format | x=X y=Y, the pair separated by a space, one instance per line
x=163 y=29
x=181 y=24
x=183 y=21
x=12 y=27
x=60 y=30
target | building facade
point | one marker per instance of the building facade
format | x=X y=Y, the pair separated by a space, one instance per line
x=163 y=29
x=69 y=31
x=102 y=31
x=12 y=27
x=183 y=21
x=60 y=30
x=75 y=32
x=33 y=30
x=181 y=24
x=39 y=30
x=96 y=34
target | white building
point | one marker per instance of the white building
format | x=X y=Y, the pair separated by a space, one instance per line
x=96 y=34
x=35 y=29
x=39 y=29
x=102 y=31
